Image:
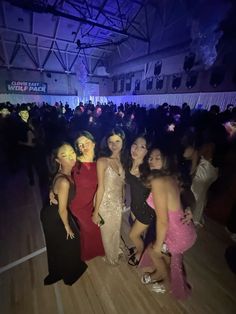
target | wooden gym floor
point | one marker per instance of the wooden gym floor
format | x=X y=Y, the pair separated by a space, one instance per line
x=103 y=289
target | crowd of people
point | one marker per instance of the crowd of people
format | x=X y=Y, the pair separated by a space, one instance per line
x=168 y=157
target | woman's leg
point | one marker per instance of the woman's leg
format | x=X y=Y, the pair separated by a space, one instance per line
x=110 y=232
x=167 y=260
x=135 y=235
x=162 y=266
x=133 y=218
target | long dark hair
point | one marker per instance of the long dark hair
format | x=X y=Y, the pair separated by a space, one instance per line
x=105 y=151
x=143 y=168
x=169 y=167
x=53 y=165
x=192 y=139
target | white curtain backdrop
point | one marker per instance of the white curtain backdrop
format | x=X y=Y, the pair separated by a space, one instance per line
x=73 y=101
x=195 y=100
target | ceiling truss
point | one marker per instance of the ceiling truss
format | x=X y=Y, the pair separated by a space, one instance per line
x=90 y=19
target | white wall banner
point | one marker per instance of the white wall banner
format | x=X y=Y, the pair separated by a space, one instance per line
x=25 y=87
x=194 y=100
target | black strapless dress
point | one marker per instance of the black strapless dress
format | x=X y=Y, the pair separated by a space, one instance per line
x=139 y=193
x=64 y=262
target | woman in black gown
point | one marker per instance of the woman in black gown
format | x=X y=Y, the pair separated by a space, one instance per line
x=60 y=230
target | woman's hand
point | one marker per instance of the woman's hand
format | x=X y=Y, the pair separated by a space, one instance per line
x=188 y=216
x=96 y=219
x=52 y=198
x=69 y=233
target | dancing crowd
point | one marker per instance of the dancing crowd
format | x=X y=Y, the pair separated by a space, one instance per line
x=163 y=160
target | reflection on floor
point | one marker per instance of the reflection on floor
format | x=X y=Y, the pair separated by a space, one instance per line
x=102 y=289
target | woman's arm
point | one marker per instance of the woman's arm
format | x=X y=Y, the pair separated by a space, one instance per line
x=62 y=188
x=188 y=202
x=101 y=167
x=159 y=193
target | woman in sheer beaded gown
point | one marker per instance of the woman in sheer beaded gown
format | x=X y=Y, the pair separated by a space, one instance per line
x=109 y=197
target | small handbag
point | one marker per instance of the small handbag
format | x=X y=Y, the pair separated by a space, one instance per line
x=101 y=222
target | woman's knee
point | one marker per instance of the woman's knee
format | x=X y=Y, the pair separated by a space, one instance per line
x=132 y=235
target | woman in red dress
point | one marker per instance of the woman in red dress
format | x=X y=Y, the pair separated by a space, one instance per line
x=85 y=178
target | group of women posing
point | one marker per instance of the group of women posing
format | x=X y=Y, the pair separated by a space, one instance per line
x=85 y=216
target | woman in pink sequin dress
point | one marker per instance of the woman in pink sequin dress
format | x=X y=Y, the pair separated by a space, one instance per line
x=173 y=237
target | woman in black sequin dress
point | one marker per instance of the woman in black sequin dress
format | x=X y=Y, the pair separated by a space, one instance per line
x=142 y=214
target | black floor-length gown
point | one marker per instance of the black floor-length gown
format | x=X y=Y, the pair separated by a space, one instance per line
x=64 y=262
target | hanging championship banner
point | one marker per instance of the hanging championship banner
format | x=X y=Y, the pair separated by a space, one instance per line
x=26 y=87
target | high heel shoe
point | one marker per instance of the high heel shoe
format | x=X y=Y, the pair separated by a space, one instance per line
x=133 y=261
x=147 y=279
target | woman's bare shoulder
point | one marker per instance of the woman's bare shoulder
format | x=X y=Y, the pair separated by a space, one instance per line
x=102 y=162
x=158 y=181
x=163 y=182
x=61 y=182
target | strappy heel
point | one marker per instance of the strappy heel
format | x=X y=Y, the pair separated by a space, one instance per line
x=133 y=261
x=147 y=279
x=158 y=288
x=132 y=251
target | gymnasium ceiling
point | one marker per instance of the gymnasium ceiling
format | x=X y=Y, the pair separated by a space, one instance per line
x=57 y=35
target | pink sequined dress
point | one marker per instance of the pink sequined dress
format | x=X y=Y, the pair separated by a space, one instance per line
x=179 y=238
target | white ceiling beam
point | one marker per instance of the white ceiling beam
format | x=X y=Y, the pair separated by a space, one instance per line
x=36 y=70
x=40 y=36
x=100 y=10
x=7 y=41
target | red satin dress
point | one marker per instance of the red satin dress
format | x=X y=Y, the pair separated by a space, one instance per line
x=85 y=178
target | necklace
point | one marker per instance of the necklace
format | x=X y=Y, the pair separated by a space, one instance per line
x=116 y=165
x=135 y=171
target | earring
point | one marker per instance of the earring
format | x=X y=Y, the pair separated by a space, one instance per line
x=59 y=167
